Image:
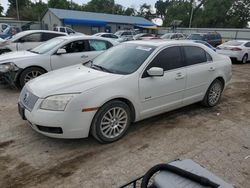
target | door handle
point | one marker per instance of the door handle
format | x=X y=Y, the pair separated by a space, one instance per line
x=179 y=76
x=84 y=56
x=211 y=69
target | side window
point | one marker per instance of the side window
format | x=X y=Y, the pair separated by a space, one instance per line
x=194 y=55
x=168 y=59
x=247 y=44
x=106 y=35
x=69 y=31
x=76 y=47
x=113 y=36
x=35 y=37
x=48 y=36
x=62 y=30
x=98 y=45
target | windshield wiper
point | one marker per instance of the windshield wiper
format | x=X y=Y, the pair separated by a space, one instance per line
x=98 y=67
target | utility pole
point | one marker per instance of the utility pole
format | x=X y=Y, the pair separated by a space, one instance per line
x=17 y=11
x=192 y=12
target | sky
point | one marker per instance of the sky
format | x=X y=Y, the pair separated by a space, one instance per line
x=125 y=3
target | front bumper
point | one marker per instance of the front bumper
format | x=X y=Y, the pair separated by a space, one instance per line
x=59 y=124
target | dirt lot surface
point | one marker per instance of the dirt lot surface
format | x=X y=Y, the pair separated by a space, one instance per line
x=218 y=138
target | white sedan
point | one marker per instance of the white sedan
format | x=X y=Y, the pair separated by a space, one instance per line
x=127 y=83
x=19 y=67
x=27 y=39
x=236 y=49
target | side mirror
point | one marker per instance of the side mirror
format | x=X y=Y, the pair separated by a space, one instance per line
x=155 y=71
x=61 y=51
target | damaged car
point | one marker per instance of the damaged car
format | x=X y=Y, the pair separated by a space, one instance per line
x=17 y=68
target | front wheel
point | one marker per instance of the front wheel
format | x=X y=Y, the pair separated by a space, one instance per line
x=111 y=121
x=29 y=74
x=213 y=94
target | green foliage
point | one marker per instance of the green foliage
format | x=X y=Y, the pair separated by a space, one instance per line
x=1 y=10
x=62 y=4
x=206 y=13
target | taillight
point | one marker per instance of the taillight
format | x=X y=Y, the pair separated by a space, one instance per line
x=236 y=49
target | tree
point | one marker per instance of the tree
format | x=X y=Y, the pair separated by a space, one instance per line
x=103 y=6
x=130 y=12
x=145 y=11
x=161 y=8
x=1 y=10
x=239 y=14
x=62 y=4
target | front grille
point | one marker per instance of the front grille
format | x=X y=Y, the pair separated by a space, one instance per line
x=28 y=99
x=54 y=130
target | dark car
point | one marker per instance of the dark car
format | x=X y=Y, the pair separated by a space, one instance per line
x=212 y=38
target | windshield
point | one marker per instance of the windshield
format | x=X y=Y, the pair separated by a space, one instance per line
x=47 y=46
x=166 y=36
x=123 y=59
x=118 y=33
x=233 y=43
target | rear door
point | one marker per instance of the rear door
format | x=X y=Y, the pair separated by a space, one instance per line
x=200 y=73
x=159 y=94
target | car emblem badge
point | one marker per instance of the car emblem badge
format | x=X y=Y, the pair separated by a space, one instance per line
x=26 y=97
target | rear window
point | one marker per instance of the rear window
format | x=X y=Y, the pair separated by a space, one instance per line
x=233 y=43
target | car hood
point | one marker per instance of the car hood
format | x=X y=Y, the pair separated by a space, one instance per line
x=73 y=79
x=8 y=57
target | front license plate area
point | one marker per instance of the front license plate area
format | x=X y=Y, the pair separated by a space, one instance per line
x=21 y=110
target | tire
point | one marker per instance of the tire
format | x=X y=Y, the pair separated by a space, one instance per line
x=244 y=59
x=213 y=94
x=29 y=74
x=105 y=127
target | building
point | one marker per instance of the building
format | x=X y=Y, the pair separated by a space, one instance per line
x=90 y=22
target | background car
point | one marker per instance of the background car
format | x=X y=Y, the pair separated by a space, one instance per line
x=127 y=83
x=140 y=36
x=9 y=32
x=3 y=26
x=107 y=35
x=54 y=54
x=125 y=35
x=27 y=39
x=67 y=30
x=173 y=36
x=236 y=49
x=205 y=43
x=212 y=38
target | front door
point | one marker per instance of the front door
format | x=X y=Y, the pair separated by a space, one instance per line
x=160 y=94
x=76 y=52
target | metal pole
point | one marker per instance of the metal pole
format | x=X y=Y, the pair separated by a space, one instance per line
x=17 y=11
x=191 y=17
x=192 y=12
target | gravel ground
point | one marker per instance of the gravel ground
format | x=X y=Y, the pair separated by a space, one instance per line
x=217 y=138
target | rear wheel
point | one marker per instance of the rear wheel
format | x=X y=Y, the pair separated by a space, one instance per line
x=213 y=94
x=29 y=74
x=244 y=59
x=111 y=121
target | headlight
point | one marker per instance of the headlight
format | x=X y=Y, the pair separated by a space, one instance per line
x=6 y=67
x=57 y=102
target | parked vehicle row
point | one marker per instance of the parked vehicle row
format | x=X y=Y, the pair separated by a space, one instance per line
x=127 y=83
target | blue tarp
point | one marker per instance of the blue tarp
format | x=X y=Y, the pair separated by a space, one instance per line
x=84 y=22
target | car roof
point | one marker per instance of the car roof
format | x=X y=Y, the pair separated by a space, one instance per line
x=243 y=41
x=38 y=31
x=159 y=43
x=83 y=37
